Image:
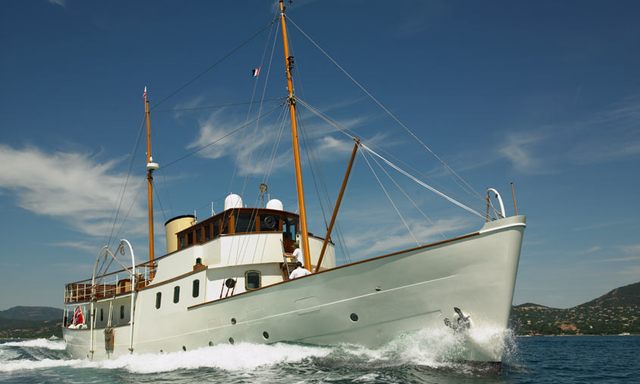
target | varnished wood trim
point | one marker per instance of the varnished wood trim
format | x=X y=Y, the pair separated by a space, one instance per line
x=435 y=244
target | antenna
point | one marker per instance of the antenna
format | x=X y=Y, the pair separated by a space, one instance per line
x=263 y=188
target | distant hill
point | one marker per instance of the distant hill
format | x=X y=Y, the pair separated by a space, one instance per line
x=616 y=312
x=32 y=313
x=30 y=322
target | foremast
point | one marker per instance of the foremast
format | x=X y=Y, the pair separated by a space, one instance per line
x=151 y=166
x=294 y=136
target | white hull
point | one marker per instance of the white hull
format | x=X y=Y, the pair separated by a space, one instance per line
x=391 y=295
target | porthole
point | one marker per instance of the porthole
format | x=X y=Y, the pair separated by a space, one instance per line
x=231 y=341
x=233 y=321
x=265 y=334
x=211 y=343
x=252 y=280
x=353 y=317
x=184 y=348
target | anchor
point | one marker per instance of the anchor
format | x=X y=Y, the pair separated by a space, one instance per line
x=461 y=323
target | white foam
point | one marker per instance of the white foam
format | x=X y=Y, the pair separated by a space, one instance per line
x=22 y=365
x=228 y=357
x=435 y=348
x=56 y=345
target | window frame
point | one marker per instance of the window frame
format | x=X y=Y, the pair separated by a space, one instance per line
x=246 y=279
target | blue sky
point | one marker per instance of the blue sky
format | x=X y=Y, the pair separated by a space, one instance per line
x=542 y=93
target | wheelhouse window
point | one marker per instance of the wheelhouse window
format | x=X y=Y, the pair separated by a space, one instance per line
x=207 y=232
x=252 y=280
x=101 y=314
x=195 y=291
x=190 y=238
x=158 y=299
x=122 y=311
x=199 y=235
x=176 y=294
x=290 y=228
x=245 y=222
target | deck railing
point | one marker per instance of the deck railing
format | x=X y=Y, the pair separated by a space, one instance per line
x=108 y=285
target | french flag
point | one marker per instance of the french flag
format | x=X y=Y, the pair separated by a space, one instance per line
x=255 y=72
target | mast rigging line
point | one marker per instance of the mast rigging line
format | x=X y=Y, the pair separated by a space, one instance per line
x=389 y=196
x=386 y=110
x=425 y=185
x=219 y=61
x=262 y=96
x=216 y=106
x=347 y=132
x=126 y=182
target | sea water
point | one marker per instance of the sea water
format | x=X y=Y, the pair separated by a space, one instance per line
x=421 y=358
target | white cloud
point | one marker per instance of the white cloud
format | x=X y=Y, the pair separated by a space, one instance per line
x=519 y=149
x=79 y=245
x=251 y=148
x=71 y=187
x=62 y=3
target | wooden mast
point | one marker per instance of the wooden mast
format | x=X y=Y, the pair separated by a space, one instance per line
x=294 y=135
x=151 y=166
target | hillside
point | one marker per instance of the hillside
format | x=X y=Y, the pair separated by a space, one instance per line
x=616 y=312
x=30 y=322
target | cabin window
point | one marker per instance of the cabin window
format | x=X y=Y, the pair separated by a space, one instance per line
x=207 y=232
x=176 y=294
x=195 y=291
x=101 y=314
x=158 y=299
x=182 y=241
x=252 y=280
x=190 y=238
x=245 y=222
x=122 y=311
x=199 y=235
x=290 y=228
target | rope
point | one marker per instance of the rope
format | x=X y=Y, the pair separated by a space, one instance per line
x=209 y=68
x=386 y=110
x=126 y=183
x=408 y=197
x=390 y=199
x=450 y=199
x=213 y=106
x=253 y=93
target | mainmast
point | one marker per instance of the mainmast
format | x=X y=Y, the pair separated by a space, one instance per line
x=294 y=135
x=151 y=166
